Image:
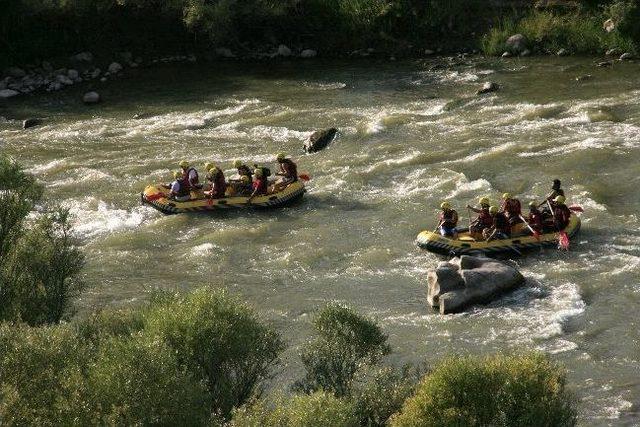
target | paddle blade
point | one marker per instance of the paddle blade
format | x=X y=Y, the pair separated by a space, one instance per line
x=304 y=177
x=536 y=235
x=563 y=240
x=576 y=208
x=153 y=197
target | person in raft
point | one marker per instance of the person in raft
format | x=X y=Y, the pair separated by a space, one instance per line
x=448 y=221
x=190 y=176
x=484 y=219
x=215 y=176
x=500 y=228
x=511 y=208
x=179 y=190
x=260 y=185
x=535 y=220
x=287 y=169
x=561 y=213
x=243 y=170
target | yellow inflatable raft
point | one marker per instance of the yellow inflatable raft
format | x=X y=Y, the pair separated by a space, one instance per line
x=434 y=242
x=157 y=196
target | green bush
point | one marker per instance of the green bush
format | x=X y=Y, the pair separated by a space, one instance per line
x=526 y=390
x=39 y=261
x=319 y=409
x=344 y=343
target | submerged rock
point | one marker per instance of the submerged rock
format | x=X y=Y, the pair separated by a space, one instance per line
x=29 y=123
x=517 y=43
x=488 y=87
x=319 y=140
x=602 y=114
x=468 y=280
x=506 y=55
x=91 y=98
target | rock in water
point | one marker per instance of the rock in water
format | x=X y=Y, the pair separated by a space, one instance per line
x=517 y=43
x=8 y=93
x=284 y=51
x=308 y=53
x=29 y=123
x=114 y=68
x=319 y=140
x=613 y=52
x=626 y=56
x=488 y=87
x=468 y=280
x=91 y=98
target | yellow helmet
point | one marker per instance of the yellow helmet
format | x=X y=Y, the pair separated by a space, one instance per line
x=177 y=174
x=533 y=204
x=445 y=205
x=244 y=179
x=484 y=201
x=213 y=171
x=183 y=164
x=237 y=163
x=560 y=200
x=493 y=210
x=280 y=157
x=506 y=196
x=208 y=166
x=259 y=173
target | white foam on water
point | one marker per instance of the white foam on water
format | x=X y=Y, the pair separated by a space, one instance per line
x=78 y=175
x=52 y=166
x=278 y=133
x=205 y=249
x=325 y=86
x=464 y=186
x=492 y=151
x=92 y=217
x=459 y=77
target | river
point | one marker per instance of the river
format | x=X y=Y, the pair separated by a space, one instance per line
x=411 y=135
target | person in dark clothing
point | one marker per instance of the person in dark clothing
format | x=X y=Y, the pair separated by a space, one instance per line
x=561 y=213
x=215 y=176
x=484 y=219
x=500 y=228
x=511 y=208
x=260 y=185
x=535 y=217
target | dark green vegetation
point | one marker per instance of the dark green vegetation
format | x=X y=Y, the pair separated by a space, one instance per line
x=32 y=30
x=39 y=263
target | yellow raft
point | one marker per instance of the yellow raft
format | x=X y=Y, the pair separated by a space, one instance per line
x=466 y=244
x=157 y=196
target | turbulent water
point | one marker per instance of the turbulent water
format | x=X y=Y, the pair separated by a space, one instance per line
x=409 y=138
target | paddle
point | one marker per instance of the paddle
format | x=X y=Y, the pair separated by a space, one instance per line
x=535 y=233
x=304 y=177
x=563 y=237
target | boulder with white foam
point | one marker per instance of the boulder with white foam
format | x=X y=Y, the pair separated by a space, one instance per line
x=462 y=282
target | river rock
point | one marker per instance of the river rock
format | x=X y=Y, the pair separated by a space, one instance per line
x=8 y=93
x=82 y=57
x=64 y=79
x=428 y=52
x=319 y=140
x=468 y=280
x=91 y=98
x=605 y=64
x=73 y=74
x=562 y=52
x=224 y=52
x=114 y=68
x=506 y=54
x=517 y=43
x=284 y=51
x=626 y=56
x=308 y=53
x=29 y=123
x=488 y=87
x=613 y=52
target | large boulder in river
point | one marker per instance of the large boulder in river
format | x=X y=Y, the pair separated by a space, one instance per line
x=29 y=123
x=468 y=280
x=517 y=44
x=319 y=140
x=91 y=98
x=487 y=88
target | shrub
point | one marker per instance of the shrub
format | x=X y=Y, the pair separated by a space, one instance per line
x=526 y=390
x=39 y=262
x=319 y=409
x=345 y=342
x=220 y=340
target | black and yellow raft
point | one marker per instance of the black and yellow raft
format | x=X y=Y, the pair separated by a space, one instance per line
x=157 y=196
x=465 y=244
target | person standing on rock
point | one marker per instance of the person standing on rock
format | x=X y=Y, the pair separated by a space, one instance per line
x=448 y=221
x=500 y=229
x=511 y=208
x=484 y=219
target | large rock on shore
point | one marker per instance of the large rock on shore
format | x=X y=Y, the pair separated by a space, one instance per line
x=468 y=280
x=319 y=140
x=517 y=44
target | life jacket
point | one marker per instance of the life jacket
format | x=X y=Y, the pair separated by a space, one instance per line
x=562 y=215
x=289 y=169
x=188 y=182
x=535 y=220
x=244 y=170
x=501 y=223
x=219 y=185
x=182 y=188
x=512 y=208
x=266 y=172
x=449 y=218
x=484 y=218
x=261 y=185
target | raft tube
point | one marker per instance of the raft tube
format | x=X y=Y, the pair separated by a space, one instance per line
x=156 y=196
x=465 y=244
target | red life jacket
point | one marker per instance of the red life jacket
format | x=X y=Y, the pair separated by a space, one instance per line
x=501 y=223
x=485 y=219
x=512 y=208
x=190 y=184
x=562 y=215
x=261 y=185
x=535 y=220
